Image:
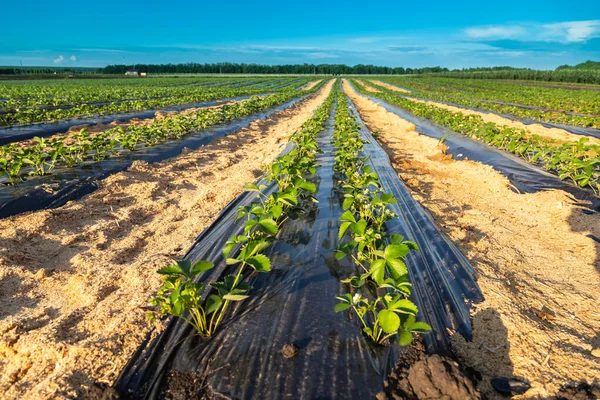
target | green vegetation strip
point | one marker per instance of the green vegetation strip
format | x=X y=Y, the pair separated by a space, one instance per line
x=576 y=161
x=17 y=161
x=183 y=294
x=386 y=310
x=480 y=94
x=27 y=111
x=587 y=72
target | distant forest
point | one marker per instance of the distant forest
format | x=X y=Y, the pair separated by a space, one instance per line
x=587 y=72
x=292 y=69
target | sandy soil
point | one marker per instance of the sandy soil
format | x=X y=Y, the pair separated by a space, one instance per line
x=73 y=280
x=535 y=129
x=310 y=85
x=391 y=87
x=535 y=256
x=367 y=87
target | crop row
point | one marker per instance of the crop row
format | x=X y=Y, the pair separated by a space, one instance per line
x=152 y=101
x=71 y=92
x=556 y=104
x=183 y=295
x=575 y=161
x=40 y=156
x=382 y=288
x=563 y=99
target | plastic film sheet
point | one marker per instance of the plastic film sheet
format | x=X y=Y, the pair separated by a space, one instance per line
x=293 y=304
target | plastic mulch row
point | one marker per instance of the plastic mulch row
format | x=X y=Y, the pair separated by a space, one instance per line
x=67 y=184
x=293 y=304
x=525 y=177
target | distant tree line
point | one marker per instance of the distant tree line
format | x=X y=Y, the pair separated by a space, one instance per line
x=231 y=68
x=561 y=75
x=47 y=70
x=587 y=72
x=585 y=65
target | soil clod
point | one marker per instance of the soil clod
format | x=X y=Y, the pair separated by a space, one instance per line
x=510 y=386
x=289 y=350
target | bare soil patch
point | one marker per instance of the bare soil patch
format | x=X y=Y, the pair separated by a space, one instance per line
x=310 y=85
x=536 y=257
x=391 y=87
x=367 y=87
x=73 y=280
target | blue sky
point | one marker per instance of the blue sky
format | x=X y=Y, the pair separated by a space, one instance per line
x=535 y=34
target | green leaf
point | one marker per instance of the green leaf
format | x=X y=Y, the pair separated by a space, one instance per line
x=251 y=187
x=348 y=202
x=288 y=198
x=411 y=245
x=388 y=198
x=231 y=261
x=268 y=225
x=359 y=227
x=396 y=251
x=276 y=168
x=347 y=297
x=308 y=186
x=357 y=282
x=405 y=338
x=378 y=270
x=201 y=266
x=186 y=267
x=260 y=263
x=420 y=327
x=347 y=216
x=389 y=321
x=405 y=306
x=397 y=268
x=276 y=210
x=339 y=255
x=175 y=300
x=396 y=238
x=235 y=296
x=213 y=302
x=341 y=307
x=170 y=270
x=255 y=247
x=343 y=228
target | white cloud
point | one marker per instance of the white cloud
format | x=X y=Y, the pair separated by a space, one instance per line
x=104 y=50
x=321 y=54
x=573 y=31
x=59 y=60
x=373 y=39
x=561 y=32
x=73 y=58
x=495 y=32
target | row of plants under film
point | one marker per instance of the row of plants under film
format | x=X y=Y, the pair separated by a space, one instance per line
x=577 y=161
x=183 y=293
x=379 y=294
x=40 y=156
x=151 y=98
x=554 y=105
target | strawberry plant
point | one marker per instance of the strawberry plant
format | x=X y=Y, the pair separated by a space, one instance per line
x=182 y=292
x=383 y=308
